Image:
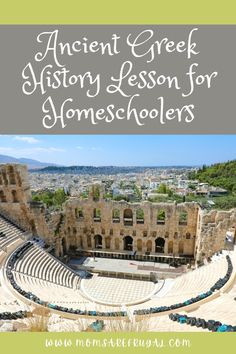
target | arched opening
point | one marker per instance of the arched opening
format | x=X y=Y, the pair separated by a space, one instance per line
x=11 y=175
x=98 y=241
x=117 y=244
x=176 y=235
x=63 y=243
x=2 y=197
x=139 y=245
x=230 y=239
x=78 y=241
x=128 y=217
x=140 y=216
x=97 y=215
x=115 y=215
x=72 y=241
x=81 y=243
x=4 y=176
x=159 y=245
x=107 y=242
x=89 y=242
x=170 y=247
x=128 y=243
x=33 y=227
x=79 y=213
x=161 y=217
x=14 y=196
x=181 y=247
x=183 y=218
x=188 y=236
x=149 y=246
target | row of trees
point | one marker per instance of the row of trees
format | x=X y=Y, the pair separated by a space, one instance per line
x=51 y=199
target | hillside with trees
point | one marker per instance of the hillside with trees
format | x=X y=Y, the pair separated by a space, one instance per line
x=219 y=175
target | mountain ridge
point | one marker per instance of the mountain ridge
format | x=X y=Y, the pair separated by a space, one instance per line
x=31 y=163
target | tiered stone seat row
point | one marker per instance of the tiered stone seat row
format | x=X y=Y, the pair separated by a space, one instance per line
x=39 y=264
x=190 y=284
x=9 y=233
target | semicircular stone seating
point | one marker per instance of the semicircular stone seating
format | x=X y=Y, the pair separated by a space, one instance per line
x=42 y=274
x=10 y=235
x=38 y=263
x=189 y=284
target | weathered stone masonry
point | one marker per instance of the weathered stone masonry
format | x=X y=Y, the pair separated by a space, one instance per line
x=96 y=223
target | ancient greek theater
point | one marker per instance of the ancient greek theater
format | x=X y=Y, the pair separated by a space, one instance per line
x=167 y=268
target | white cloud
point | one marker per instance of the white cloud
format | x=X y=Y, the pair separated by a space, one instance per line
x=48 y=150
x=89 y=148
x=58 y=149
x=27 y=139
x=96 y=149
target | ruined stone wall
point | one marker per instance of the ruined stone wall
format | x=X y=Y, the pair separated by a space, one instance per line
x=214 y=226
x=81 y=226
x=15 y=195
x=199 y=234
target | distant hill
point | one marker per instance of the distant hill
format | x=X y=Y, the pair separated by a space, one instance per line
x=32 y=164
x=104 y=170
x=219 y=175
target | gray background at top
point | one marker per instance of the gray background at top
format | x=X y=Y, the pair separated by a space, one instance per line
x=214 y=109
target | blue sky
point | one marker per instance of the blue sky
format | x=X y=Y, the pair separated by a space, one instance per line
x=121 y=150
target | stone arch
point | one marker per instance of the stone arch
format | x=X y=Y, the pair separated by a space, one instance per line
x=78 y=241
x=128 y=217
x=11 y=175
x=176 y=235
x=14 y=196
x=108 y=242
x=33 y=226
x=170 y=247
x=89 y=241
x=159 y=245
x=230 y=237
x=97 y=214
x=128 y=243
x=79 y=213
x=188 y=236
x=161 y=217
x=139 y=216
x=81 y=242
x=181 y=247
x=64 y=246
x=3 y=198
x=183 y=218
x=4 y=176
x=149 y=246
x=117 y=243
x=139 y=245
x=116 y=215
x=98 y=241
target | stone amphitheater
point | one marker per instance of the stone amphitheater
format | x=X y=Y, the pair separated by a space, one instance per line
x=141 y=268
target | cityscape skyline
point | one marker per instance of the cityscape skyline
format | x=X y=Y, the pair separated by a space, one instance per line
x=121 y=150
